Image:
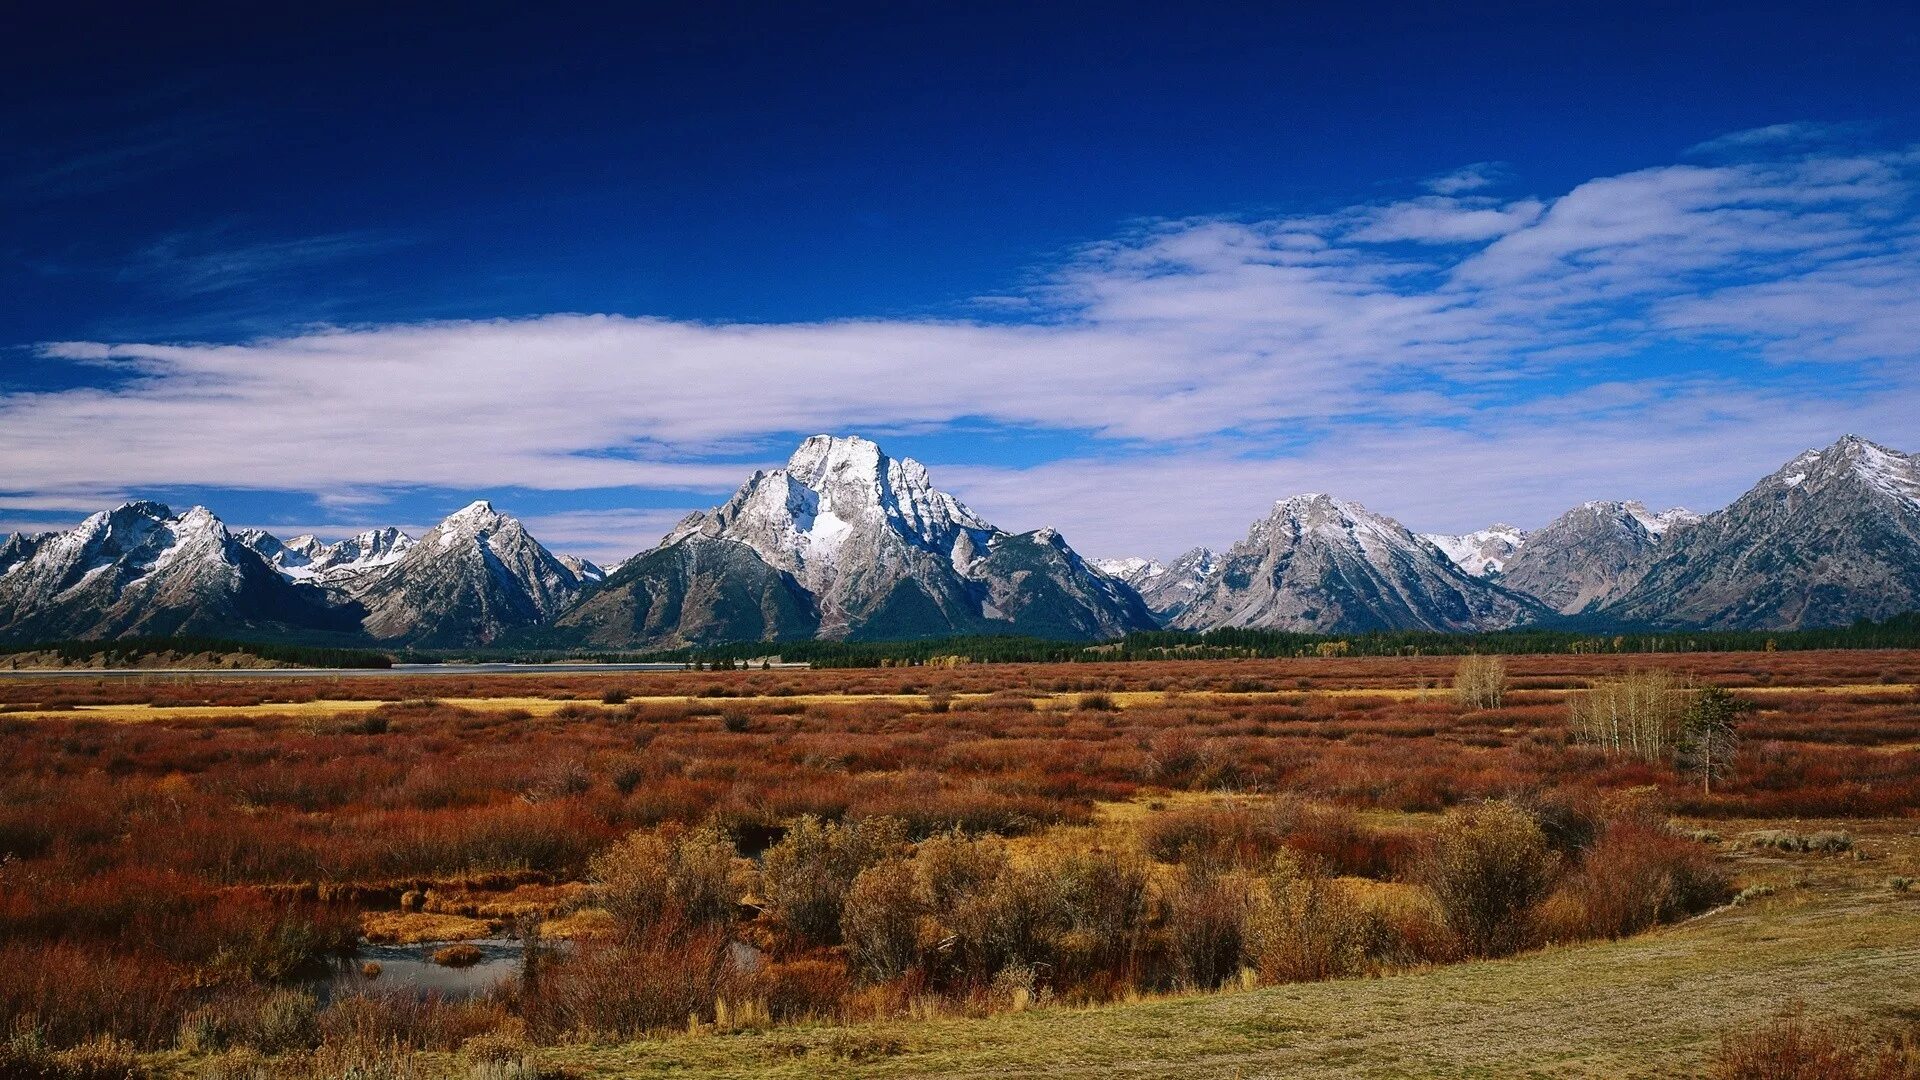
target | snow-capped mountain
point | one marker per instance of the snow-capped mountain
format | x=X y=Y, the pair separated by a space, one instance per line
x=1130 y=568
x=472 y=578
x=851 y=525
x=141 y=569
x=1166 y=588
x=1326 y=565
x=1592 y=555
x=289 y=556
x=1831 y=537
x=349 y=565
x=849 y=542
x=845 y=541
x=1483 y=553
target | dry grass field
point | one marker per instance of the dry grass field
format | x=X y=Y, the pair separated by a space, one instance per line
x=1305 y=867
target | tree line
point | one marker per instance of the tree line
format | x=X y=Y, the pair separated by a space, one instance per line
x=129 y=652
x=1898 y=632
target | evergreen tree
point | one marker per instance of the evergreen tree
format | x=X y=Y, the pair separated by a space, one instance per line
x=1710 y=735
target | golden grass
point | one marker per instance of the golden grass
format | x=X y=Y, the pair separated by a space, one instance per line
x=412 y=927
x=540 y=706
x=503 y=907
x=578 y=925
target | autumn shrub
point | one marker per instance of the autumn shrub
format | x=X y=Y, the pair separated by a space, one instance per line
x=276 y=1022
x=807 y=875
x=670 y=875
x=24 y=1056
x=1228 y=834
x=799 y=990
x=1209 y=917
x=72 y=993
x=1309 y=927
x=1570 y=819
x=880 y=920
x=1489 y=867
x=1079 y=913
x=639 y=985
x=1793 y=1047
x=1335 y=838
x=401 y=1018
x=953 y=866
x=1105 y=907
x=1637 y=875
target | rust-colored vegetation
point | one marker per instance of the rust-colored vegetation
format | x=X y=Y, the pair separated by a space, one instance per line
x=764 y=847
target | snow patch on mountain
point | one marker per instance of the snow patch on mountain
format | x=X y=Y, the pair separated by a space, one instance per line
x=348 y=564
x=1131 y=569
x=1482 y=553
x=837 y=491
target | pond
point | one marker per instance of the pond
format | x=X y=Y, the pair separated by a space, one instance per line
x=410 y=969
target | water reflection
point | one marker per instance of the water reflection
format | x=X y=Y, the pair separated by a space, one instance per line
x=410 y=969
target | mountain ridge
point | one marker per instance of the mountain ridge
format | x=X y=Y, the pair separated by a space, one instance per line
x=845 y=542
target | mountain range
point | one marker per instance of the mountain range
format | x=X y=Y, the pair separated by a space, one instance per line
x=846 y=542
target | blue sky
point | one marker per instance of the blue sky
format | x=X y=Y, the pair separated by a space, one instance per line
x=1132 y=272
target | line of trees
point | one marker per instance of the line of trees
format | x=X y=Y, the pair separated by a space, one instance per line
x=130 y=652
x=1899 y=632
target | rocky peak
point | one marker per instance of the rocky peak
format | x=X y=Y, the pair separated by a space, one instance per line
x=141 y=569
x=476 y=519
x=1830 y=537
x=1317 y=563
x=1590 y=555
x=836 y=492
x=1852 y=459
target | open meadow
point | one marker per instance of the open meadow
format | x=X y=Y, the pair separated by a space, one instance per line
x=1569 y=864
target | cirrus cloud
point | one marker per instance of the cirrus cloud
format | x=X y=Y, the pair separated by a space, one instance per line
x=1665 y=307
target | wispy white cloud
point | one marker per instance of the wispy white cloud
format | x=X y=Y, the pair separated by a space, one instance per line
x=201 y=262
x=1439 y=220
x=1467 y=178
x=1698 y=446
x=1453 y=357
x=605 y=536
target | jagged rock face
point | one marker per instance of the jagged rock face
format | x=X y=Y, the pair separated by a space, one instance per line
x=1038 y=583
x=876 y=550
x=474 y=577
x=1484 y=553
x=694 y=592
x=854 y=528
x=1830 y=538
x=1320 y=564
x=1166 y=588
x=349 y=566
x=141 y=570
x=583 y=569
x=1592 y=555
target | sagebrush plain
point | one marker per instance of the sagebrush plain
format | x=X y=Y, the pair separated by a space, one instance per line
x=1324 y=866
